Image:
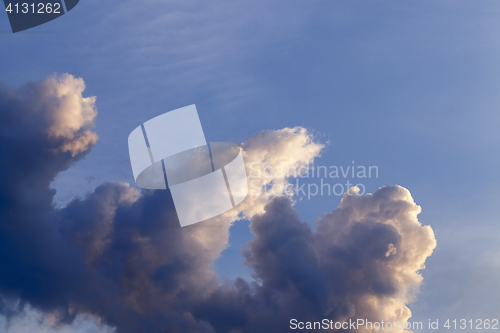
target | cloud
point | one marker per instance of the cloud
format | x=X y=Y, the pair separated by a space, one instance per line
x=119 y=255
x=372 y=248
x=361 y=263
x=29 y=320
x=71 y=116
x=55 y=109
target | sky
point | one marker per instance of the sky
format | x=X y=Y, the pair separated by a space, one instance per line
x=410 y=87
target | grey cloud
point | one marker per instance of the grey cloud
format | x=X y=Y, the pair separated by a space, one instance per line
x=362 y=262
x=120 y=255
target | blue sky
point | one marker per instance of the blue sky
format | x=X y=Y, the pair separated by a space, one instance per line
x=411 y=87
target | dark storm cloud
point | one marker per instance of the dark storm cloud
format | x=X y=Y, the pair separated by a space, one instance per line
x=121 y=256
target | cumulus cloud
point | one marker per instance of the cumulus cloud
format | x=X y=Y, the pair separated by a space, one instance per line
x=371 y=249
x=71 y=116
x=270 y=157
x=361 y=263
x=119 y=254
x=58 y=109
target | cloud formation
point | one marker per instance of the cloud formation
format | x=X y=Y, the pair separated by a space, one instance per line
x=120 y=255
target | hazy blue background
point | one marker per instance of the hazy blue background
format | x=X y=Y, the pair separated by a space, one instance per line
x=411 y=87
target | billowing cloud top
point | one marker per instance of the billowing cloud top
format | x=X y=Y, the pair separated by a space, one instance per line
x=121 y=256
